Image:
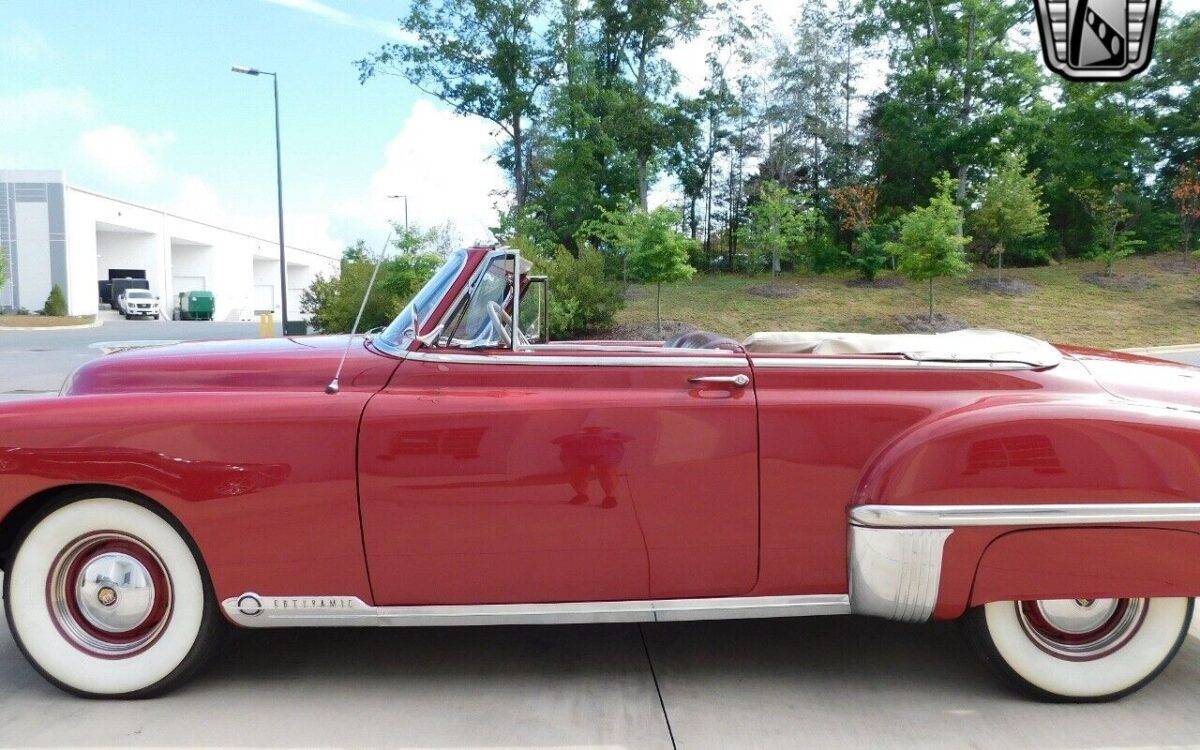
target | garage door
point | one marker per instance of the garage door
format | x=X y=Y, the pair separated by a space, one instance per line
x=187 y=283
x=264 y=298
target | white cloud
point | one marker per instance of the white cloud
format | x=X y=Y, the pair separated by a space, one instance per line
x=25 y=43
x=196 y=199
x=39 y=107
x=125 y=155
x=443 y=162
x=335 y=15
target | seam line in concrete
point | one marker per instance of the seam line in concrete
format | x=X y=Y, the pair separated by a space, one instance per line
x=657 y=688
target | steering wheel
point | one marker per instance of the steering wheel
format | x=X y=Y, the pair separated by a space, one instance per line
x=501 y=321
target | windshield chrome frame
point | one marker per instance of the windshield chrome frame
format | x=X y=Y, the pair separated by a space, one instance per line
x=401 y=347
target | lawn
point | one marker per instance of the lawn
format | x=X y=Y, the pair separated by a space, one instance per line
x=1064 y=308
x=45 y=321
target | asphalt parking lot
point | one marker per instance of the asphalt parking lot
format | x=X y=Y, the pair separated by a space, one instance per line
x=832 y=682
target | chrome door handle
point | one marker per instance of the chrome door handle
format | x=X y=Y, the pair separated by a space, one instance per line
x=738 y=380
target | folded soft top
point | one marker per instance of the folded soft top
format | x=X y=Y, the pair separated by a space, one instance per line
x=970 y=345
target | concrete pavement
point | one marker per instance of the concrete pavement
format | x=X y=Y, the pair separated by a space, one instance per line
x=834 y=682
x=831 y=682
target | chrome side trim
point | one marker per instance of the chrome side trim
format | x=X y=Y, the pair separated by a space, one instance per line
x=1059 y=514
x=254 y=611
x=550 y=360
x=881 y=363
x=895 y=573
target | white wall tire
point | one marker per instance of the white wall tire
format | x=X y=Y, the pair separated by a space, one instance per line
x=1080 y=650
x=91 y=636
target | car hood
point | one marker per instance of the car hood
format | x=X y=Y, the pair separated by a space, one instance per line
x=1142 y=379
x=290 y=364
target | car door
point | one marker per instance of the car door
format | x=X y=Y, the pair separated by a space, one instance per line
x=560 y=474
x=493 y=470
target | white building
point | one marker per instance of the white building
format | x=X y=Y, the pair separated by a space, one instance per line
x=56 y=233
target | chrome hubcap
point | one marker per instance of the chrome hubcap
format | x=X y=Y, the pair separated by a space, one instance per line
x=109 y=595
x=115 y=592
x=1081 y=629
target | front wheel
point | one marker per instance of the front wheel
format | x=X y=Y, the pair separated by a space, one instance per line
x=1080 y=650
x=106 y=599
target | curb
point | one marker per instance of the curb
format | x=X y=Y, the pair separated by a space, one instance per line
x=94 y=324
x=1162 y=349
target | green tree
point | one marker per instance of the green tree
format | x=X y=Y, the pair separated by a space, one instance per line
x=487 y=58
x=1110 y=224
x=930 y=246
x=962 y=88
x=56 y=302
x=3 y=265
x=654 y=250
x=779 y=221
x=1012 y=207
x=332 y=303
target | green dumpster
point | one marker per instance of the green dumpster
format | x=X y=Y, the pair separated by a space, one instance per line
x=194 y=305
x=296 y=328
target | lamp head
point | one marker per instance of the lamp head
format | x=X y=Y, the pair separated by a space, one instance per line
x=247 y=71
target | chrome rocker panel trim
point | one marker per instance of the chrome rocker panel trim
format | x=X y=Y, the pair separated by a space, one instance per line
x=1064 y=514
x=254 y=611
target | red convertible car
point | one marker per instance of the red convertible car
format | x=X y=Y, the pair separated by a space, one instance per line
x=465 y=470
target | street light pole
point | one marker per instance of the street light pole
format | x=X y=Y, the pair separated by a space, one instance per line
x=405 y=197
x=283 y=287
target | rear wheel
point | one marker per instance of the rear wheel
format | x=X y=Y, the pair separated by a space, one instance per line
x=106 y=598
x=1081 y=650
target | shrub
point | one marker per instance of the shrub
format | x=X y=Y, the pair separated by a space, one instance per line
x=582 y=298
x=823 y=254
x=332 y=303
x=56 y=303
x=871 y=258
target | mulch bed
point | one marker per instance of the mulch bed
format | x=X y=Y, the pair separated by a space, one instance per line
x=1177 y=263
x=647 y=331
x=1116 y=282
x=774 y=291
x=1007 y=287
x=881 y=282
x=919 y=323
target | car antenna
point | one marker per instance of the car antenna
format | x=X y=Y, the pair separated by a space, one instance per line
x=334 y=386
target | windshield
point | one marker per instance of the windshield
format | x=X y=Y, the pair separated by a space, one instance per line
x=424 y=300
x=137 y=293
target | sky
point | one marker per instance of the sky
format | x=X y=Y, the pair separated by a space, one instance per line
x=135 y=99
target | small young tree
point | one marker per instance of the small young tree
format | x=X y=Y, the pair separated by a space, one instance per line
x=1187 y=198
x=655 y=252
x=1113 y=237
x=56 y=302
x=856 y=204
x=1012 y=207
x=930 y=246
x=778 y=221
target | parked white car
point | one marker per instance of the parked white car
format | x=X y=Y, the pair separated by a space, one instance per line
x=138 y=303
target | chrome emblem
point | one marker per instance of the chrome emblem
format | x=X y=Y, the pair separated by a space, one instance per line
x=106 y=596
x=1097 y=40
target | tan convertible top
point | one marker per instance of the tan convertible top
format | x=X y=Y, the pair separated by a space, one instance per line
x=971 y=345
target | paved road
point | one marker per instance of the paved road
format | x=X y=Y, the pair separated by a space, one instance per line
x=835 y=682
x=46 y=357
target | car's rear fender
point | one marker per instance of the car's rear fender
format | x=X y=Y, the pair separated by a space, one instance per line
x=933 y=502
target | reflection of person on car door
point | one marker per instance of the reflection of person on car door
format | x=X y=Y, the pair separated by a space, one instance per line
x=592 y=450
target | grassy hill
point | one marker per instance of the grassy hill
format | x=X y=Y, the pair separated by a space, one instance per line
x=1163 y=307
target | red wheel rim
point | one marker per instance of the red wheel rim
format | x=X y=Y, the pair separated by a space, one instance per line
x=1081 y=629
